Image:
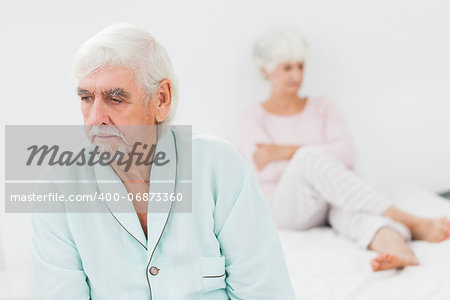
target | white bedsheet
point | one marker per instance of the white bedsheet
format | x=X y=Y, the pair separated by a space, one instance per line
x=325 y=265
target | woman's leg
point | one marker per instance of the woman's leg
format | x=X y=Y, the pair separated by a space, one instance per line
x=342 y=188
x=295 y=203
x=375 y=232
x=431 y=230
x=314 y=180
x=334 y=182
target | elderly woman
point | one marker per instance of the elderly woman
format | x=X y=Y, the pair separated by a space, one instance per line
x=304 y=158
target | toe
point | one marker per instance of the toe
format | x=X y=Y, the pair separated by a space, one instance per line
x=375 y=265
x=391 y=257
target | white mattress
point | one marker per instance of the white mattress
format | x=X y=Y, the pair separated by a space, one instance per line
x=325 y=265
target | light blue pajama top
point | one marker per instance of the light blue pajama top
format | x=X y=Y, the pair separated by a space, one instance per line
x=226 y=248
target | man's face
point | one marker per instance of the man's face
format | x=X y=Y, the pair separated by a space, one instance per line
x=111 y=101
x=111 y=96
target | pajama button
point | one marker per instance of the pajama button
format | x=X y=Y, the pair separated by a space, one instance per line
x=154 y=271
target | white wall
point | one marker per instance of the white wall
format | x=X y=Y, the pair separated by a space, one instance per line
x=385 y=63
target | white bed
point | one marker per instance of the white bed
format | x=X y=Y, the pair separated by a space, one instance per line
x=325 y=265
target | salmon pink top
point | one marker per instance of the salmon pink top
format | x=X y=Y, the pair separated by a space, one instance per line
x=319 y=123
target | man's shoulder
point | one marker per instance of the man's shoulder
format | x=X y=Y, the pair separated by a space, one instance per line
x=215 y=146
x=207 y=140
x=217 y=153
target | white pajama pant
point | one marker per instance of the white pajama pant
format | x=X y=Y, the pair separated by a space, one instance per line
x=317 y=189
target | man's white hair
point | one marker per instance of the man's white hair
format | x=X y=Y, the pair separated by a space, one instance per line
x=278 y=46
x=133 y=47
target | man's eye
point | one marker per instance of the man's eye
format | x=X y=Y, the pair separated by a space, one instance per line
x=300 y=66
x=116 y=101
x=287 y=68
x=86 y=98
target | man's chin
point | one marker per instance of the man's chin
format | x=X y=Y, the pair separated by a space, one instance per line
x=109 y=148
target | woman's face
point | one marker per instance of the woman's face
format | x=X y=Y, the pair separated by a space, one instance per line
x=287 y=77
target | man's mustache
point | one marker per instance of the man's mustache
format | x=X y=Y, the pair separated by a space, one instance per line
x=105 y=130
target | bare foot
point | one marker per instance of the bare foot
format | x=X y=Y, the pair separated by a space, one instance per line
x=431 y=230
x=385 y=261
x=393 y=251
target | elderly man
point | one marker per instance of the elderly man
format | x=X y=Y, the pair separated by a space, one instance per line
x=225 y=247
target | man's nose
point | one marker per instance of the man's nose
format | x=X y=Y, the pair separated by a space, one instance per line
x=99 y=113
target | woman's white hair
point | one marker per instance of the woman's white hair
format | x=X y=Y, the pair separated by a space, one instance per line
x=131 y=46
x=277 y=46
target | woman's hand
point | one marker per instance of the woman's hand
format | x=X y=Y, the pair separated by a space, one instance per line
x=267 y=153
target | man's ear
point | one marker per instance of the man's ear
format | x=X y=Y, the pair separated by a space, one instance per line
x=164 y=100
